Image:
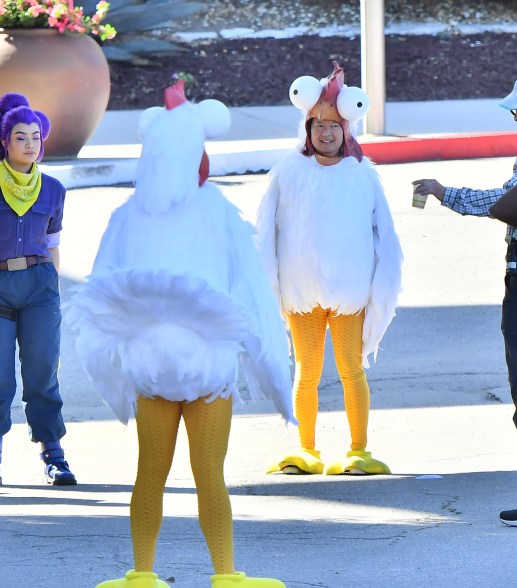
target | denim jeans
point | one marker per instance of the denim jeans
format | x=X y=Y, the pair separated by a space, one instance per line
x=34 y=293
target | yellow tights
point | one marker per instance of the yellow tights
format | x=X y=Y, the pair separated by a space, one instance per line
x=308 y=332
x=208 y=429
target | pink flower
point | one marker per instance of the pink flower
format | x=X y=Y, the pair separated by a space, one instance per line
x=58 y=14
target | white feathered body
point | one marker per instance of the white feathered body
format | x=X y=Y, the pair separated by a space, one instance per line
x=327 y=238
x=177 y=294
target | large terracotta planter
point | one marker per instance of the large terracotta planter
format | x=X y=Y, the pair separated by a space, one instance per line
x=66 y=76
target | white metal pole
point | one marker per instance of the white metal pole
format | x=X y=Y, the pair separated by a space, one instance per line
x=373 y=65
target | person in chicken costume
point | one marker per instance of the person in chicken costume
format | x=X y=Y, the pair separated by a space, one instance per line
x=328 y=242
x=176 y=299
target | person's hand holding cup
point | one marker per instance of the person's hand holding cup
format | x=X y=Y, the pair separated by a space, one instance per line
x=422 y=189
x=419 y=200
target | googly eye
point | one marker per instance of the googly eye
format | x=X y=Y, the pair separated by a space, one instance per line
x=352 y=103
x=215 y=117
x=305 y=92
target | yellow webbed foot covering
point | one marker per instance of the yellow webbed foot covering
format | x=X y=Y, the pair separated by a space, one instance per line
x=306 y=461
x=357 y=463
x=240 y=580
x=135 y=580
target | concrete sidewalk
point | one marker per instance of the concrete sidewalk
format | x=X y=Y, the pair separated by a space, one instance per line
x=260 y=136
x=441 y=418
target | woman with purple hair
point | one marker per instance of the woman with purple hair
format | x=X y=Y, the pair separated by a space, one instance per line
x=31 y=212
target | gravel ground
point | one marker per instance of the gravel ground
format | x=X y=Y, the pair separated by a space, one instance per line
x=280 y=14
x=259 y=71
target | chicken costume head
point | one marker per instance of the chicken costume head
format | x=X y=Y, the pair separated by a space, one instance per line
x=330 y=99
x=179 y=128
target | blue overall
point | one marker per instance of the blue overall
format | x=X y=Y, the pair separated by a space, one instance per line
x=33 y=293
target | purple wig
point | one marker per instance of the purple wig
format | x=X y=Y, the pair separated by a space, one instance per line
x=14 y=109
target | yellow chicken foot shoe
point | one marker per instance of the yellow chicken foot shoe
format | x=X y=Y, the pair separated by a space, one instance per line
x=357 y=463
x=303 y=461
x=135 y=580
x=240 y=580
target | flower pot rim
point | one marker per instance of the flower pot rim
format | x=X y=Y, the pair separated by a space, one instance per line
x=29 y=29
x=45 y=30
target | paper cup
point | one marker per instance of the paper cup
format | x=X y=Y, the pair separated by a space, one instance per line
x=419 y=200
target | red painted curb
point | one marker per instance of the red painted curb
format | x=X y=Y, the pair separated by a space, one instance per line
x=464 y=146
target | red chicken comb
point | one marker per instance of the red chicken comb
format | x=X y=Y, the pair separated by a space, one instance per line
x=175 y=95
x=335 y=82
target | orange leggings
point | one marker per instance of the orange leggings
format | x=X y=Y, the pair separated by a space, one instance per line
x=208 y=429
x=308 y=332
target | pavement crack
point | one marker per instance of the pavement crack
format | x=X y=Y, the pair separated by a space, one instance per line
x=493 y=397
x=448 y=505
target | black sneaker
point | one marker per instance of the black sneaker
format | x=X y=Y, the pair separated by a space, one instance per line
x=57 y=471
x=509 y=517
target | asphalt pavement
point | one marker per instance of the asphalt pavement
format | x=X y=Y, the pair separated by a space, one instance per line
x=441 y=419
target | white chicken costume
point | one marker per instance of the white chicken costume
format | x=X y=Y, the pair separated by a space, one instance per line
x=327 y=238
x=177 y=296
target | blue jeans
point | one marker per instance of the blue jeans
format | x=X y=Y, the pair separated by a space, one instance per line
x=34 y=294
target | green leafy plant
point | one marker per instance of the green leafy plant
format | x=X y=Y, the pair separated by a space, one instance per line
x=189 y=79
x=62 y=15
x=136 y=19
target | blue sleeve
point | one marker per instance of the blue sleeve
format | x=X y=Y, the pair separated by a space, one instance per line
x=57 y=199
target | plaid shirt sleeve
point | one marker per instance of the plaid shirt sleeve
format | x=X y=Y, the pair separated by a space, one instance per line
x=476 y=202
x=471 y=202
